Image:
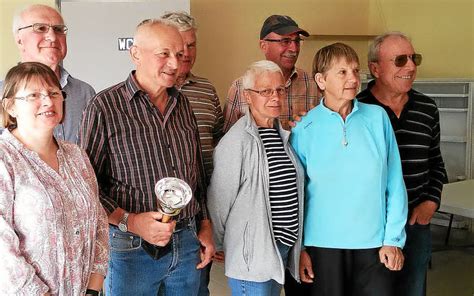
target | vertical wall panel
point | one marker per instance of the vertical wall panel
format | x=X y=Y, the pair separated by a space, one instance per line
x=94 y=30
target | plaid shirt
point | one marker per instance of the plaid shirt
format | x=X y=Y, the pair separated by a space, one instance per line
x=206 y=107
x=302 y=96
x=131 y=146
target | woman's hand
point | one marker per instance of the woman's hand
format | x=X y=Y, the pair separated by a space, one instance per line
x=95 y=282
x=306 y=268
x=392 y=257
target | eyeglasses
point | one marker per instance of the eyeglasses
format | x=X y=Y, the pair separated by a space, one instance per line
x=36 y=96
x=44 y=28
x=269 y=91
x=402 y=60
x=285 y=42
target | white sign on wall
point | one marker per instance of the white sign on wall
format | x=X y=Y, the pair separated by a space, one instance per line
x=100 y=34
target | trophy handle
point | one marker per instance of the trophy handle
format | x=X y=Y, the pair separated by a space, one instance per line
x=165 y=219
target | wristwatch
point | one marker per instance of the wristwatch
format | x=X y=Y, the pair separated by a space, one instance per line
x=92 y=292
x=123 y=226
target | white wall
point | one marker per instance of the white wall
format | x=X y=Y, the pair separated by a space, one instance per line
x=94 y=29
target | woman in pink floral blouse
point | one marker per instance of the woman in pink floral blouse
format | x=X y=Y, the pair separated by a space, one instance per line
x=53 y=229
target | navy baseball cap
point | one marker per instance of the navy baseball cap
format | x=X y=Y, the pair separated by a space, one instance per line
x=282 y=25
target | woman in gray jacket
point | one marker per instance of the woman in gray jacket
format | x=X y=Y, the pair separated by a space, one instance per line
x=255 y=197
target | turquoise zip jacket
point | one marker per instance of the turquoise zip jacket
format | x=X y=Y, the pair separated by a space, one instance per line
x=355 y=194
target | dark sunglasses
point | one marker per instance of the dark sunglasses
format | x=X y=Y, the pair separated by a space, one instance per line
x=402 y=60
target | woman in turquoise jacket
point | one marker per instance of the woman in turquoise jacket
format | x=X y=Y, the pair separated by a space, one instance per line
x=356 y=201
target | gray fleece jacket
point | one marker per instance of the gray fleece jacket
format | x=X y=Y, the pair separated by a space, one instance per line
x=239 y=205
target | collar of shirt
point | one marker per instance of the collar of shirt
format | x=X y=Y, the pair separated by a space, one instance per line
x=190 y=79
x=368 y=96
x=293 y=76
x=355 y=107
x=134 y=90
x=64 y=75
x=12 y=140
x=252 y=128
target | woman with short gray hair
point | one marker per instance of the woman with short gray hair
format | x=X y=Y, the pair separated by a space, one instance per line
x=255 y=197
x=356 y=201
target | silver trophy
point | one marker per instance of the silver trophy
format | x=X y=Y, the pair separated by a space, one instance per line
x=173 y=194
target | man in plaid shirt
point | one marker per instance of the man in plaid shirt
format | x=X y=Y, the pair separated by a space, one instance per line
x=280 y=43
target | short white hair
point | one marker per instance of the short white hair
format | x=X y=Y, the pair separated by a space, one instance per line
x=374 y=48
x=18 y=16
x=150 y=23
x=256 y=69
x=183 y=20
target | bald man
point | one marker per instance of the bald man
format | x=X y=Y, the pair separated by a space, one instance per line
x=136 y=133
x=40 y=35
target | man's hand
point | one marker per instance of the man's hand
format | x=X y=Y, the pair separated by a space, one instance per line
x=219 y=256
x=306 y=268
x=423 y=213
x=208 y=248
x=148 y=227
x=297 y=118
x=392 y=257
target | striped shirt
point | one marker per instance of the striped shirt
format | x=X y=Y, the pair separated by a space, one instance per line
x=283 y=191
x=418 y=137
x=131 y=146
x=302 y=95
x=206 y=107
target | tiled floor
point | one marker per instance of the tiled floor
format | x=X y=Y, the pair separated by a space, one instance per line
x=452 y=272
x=218 y=284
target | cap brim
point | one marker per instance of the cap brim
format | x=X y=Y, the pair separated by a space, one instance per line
x=291 y=30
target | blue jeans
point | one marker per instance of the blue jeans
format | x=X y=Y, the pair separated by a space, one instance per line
x=417 y=251
x=133 y=272
x=204 y=281
x=270 y=288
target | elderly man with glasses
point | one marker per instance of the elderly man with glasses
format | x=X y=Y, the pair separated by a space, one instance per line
x=280 y=41
x=40 y=34
x=415 y=119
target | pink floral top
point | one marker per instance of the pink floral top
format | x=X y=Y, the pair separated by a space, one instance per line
x=53 y=229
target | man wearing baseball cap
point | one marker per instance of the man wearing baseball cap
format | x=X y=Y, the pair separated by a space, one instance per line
x=280 y=40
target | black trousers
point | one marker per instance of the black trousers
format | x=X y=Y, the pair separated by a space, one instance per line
x=344 y=272
x=292 y=288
